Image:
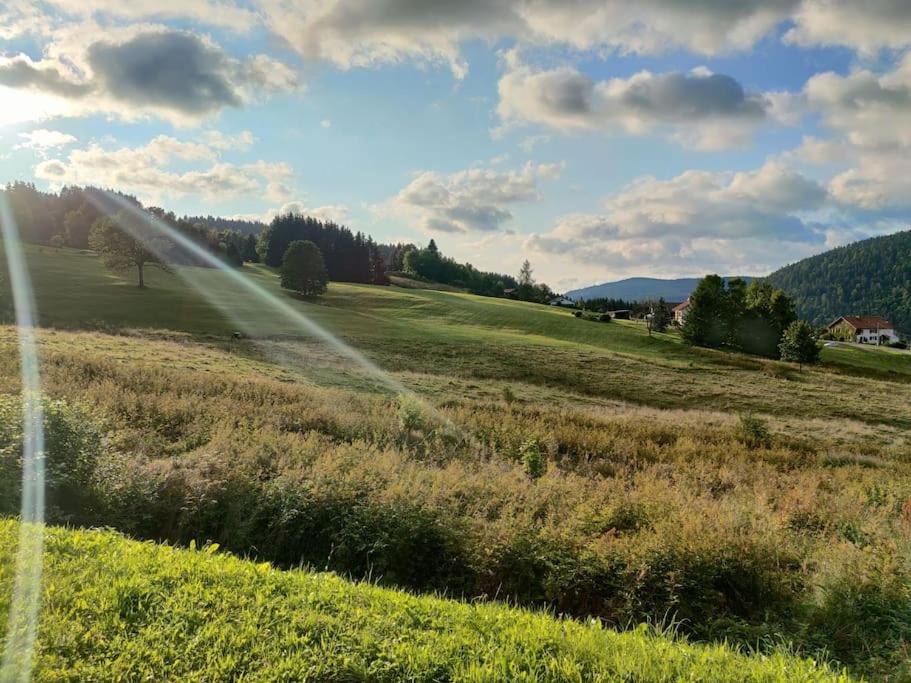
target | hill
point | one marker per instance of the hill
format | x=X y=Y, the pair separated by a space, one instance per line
x=870 y=277
x=639 y=288
x=116 y=609
x=482 y=448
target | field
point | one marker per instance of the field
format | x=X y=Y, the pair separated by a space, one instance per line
x=121 y=610
x=505 y=451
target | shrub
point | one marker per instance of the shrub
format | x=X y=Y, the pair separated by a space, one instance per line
x=604 y=318
x=72 y=446
x=753 y=432
x=799 y=344
x=509 y=395
x=411 y=413
x=577 y=314
x=533 y=459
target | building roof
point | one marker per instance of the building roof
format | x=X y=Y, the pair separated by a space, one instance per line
x=683 y=306
x=867 y=322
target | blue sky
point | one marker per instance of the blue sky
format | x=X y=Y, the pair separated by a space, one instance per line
x=598 y=139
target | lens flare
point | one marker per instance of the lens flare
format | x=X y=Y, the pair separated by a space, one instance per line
x=115 y=204
x=18 y=654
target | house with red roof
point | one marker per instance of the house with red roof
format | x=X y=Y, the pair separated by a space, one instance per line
x=863 y=329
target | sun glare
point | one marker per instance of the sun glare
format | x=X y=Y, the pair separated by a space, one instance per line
x=20 y=106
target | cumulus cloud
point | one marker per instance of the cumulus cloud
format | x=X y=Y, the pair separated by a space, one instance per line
x=699 y=108
x=697 y=219
x=43 y=139
x=869 y=115
x=864 y=26
x=352 y=33
x=176 y=75
x=146 y=171
x=475 y=200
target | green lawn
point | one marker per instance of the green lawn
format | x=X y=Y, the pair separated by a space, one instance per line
x=114 y=609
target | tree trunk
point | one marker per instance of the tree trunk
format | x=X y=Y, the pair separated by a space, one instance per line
x=142 y=283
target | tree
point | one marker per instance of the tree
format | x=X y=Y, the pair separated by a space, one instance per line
x=526 y=282
x=78 y=223
x=120 y=250
x=377 y=266
x=659 y=316
x=248 y=253
x=303 y=269
x=707 y=316
x=799 y=343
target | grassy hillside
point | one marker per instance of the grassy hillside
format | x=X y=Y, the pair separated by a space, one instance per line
x=870 y=277
x=657 y=498
x=115 y=609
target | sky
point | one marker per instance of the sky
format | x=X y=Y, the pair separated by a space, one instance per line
x=599 y=139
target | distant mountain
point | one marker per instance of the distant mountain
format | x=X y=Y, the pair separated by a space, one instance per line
x=638 y=288
x=871 y=277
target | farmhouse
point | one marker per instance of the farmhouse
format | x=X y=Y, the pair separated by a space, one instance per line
x=680 y=311
x=863 y=329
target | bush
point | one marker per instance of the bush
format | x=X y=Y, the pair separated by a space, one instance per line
x=577 y=314
x=411 y=414
x=898 y=345
x=72 y=446
x=753 y=432
x=533 y=459
x=604 y=318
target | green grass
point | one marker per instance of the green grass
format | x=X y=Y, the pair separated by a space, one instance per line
x=115 y=609
x=455 y=335
x=652 y=503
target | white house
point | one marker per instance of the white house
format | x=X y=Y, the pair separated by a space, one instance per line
x=863 y=329
x=680 y=311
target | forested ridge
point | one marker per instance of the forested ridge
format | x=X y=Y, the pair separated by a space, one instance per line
x=871 y=277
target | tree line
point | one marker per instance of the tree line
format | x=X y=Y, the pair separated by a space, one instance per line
x=75 y=217
x=67 y=219
x=428 y=263
x=348 y=256
x=756 y=318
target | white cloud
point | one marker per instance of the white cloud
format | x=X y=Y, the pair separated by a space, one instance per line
x=698 y=108
x=477 y=199
x=351 y=33
x=147 y=171
x=42 y=139
x=695 y=222
x=866 y=26
x=869 y=114
x=325 y=123
x=334 y=213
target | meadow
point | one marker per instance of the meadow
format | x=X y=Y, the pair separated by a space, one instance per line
x=121 y=610
x=584 y=468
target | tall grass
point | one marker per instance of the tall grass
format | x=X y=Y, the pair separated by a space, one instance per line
x=119 y=610
x=630 y=515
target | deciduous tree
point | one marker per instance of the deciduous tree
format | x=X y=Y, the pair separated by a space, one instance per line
x=303 y=269
x=124 y=242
